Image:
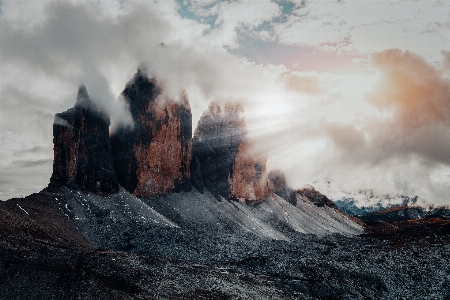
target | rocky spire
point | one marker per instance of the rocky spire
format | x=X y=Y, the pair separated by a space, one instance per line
x=153 y=157
x=83 y=99
x=227 y=165
x=82 y=151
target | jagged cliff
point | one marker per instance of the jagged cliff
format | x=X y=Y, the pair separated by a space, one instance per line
x=248 y=175
x=157 y=155
x=153 y=157
x=227 y=165
x=82 y=151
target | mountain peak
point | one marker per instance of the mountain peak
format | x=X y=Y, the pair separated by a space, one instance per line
x=153 y=157
x=83 y=99
x=82 y=150
x=82 y=93
x=225 y=157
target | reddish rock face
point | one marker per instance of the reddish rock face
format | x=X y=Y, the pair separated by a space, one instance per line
x=82 y=151
x=154 y=156
x=227 y=166
x=248 y=177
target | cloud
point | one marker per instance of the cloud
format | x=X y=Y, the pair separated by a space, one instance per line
x=417 y=97
x=345 y=136
x=406 y=142
x=76 y=45
x=397 y=143
x=446 y=55
x=203 y=8
x=31 y=163
x=368 y=26
x=302 y=84
x=16 y=180
x=412 y=120
x=233 y=17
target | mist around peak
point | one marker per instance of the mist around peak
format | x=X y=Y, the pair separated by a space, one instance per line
x=387 y=120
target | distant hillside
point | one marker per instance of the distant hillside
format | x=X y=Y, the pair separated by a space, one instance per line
x=367 y=201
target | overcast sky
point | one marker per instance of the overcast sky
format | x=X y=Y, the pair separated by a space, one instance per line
x=344 y=95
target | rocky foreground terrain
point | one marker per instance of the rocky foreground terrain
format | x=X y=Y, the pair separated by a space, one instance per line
x=65 y=244
x=150 y=212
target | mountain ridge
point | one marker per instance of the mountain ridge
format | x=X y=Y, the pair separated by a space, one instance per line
x=102 y=230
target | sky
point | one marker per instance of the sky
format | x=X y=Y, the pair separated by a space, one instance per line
x=349 y=96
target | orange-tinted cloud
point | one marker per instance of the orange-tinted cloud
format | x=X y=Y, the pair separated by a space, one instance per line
x=301 y=84
x=345 y=136
x=416 y=91
x=419 y=96
x=414 y=131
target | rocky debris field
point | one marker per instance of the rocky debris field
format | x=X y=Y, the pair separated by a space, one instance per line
x=150 y=249
x=332 y=268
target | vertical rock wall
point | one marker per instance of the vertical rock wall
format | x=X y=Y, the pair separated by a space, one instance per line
x=153 y=157
x=82 y=151
x=215 y=145
x=226 y=164
x=247 y=178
